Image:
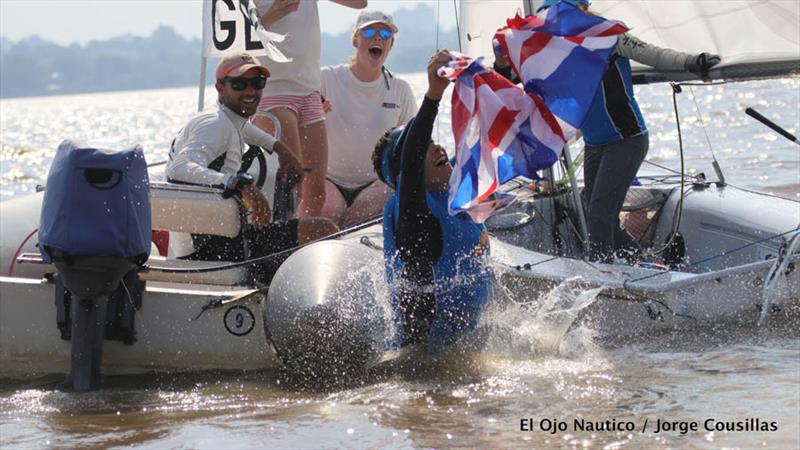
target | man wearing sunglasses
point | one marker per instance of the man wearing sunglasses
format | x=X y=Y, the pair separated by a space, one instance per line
x=209 y=150
x=365 y=101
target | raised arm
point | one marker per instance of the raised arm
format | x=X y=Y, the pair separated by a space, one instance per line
x=419 y=235
x=355 y=4
x=415 y=148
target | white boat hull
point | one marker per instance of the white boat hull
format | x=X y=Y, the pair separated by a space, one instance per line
x=634 y=300
x=170 y=335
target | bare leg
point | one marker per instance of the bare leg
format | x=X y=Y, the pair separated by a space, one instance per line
x=289 y=129
x=313 y=228
x=314 y=156
x=334 y=203
x=369 y=203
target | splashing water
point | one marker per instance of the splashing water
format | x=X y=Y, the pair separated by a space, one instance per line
x=547 y=325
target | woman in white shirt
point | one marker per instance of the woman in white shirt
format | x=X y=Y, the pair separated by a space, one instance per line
x=363 y=100
x=292 y=93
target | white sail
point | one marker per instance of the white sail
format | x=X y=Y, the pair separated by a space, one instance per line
x=479 y=19
x=753 y=37
x=740 y=31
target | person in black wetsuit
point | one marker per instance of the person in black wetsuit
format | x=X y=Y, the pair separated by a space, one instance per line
x=439 y=284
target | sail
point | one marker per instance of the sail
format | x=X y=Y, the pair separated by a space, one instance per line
x=480 y=19
x=755 y=38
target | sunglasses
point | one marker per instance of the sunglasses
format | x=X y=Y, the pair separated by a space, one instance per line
x=369 y=33
x=240 y=83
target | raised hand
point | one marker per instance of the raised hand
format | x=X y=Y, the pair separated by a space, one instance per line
x=277 y=11
x=437 y=84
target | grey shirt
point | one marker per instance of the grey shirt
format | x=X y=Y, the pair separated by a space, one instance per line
x=633 y=48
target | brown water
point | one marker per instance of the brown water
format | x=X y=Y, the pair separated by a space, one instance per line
x=733 y=373
x=478 y=400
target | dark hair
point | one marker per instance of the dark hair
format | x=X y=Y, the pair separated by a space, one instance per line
x=377 y=155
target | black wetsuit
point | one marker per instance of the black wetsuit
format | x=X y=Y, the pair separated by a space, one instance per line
x=418 y=234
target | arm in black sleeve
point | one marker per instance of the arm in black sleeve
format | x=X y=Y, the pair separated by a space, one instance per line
x=418 y=234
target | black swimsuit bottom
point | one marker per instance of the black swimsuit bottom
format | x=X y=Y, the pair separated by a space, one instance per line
x=349 y=195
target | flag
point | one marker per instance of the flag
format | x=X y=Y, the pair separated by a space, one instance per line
x=502 y=131
x=561 y=56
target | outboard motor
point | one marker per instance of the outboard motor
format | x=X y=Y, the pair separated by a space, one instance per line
x=327 y=311
x=95 y=227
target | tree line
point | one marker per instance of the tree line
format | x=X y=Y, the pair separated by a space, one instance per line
x=34 y=66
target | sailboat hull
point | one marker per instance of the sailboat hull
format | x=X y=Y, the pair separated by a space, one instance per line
x=209 y=321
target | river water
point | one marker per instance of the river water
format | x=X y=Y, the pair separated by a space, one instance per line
x=530 y=391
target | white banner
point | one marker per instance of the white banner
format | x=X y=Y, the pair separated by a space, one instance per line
x=227 y=28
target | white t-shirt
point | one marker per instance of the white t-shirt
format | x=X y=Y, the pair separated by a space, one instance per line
x=361 y=113
x=301 y=28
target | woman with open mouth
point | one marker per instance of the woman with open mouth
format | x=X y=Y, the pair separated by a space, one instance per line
x=293 y=92
x=362 y=100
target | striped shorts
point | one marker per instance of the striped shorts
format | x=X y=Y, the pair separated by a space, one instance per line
x=307 y=107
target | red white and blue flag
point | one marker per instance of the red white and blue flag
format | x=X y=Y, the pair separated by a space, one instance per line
x=502 y=131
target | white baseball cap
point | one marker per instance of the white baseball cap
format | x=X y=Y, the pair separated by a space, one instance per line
x=367 y=18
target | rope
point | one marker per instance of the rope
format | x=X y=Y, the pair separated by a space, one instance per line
x=675 y=90
x=717 y=256
x=458 y=26
x=765 y=194
x=438 y=4
x=265 y=258
x=14 y=259
x=702 y=124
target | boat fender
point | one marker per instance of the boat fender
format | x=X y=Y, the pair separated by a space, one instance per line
x=327 y=311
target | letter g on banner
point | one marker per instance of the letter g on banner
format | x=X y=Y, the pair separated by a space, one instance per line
x=227 y=28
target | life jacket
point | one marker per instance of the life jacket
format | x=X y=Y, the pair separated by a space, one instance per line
x=614 y=114
x=461 y=281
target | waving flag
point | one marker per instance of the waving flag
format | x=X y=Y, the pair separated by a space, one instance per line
x=502 y=131
x=561 y=56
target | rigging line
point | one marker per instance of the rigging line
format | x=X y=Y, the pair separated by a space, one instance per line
x=374 y=221
x=458 y=26
x=675 y=90
x=520 y=267
x=438 y=122
x=713 y=257
x=702 y=124
x=765 y=194
x=668 y=169
x=711 y=83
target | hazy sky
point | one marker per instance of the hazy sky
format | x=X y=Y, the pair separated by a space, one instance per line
x=71 y=21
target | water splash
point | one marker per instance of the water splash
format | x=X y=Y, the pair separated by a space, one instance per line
x=545 y=325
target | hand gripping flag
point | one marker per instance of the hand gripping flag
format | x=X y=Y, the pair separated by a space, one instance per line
x=501 y=131
x=561 y=56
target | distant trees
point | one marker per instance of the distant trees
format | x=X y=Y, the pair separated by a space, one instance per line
x=34 y=66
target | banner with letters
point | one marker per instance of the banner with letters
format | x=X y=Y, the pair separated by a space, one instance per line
x=228 y=28
x=232 y=26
